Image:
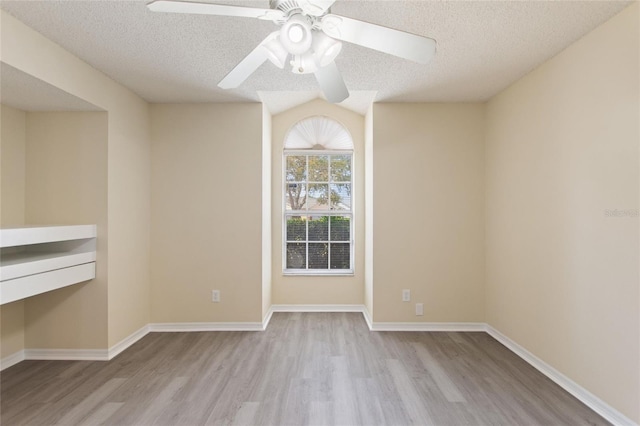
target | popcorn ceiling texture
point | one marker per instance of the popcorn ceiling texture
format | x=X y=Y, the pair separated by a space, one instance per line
x=483 y=47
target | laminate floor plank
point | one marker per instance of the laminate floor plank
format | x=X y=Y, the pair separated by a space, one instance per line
x=102 y=414
x=305 y=369
x=33 y=415
x=157 y=406
x=345 y=410
x=439 y=375
x=46 y=373
x=320 y=413
x=367 y=401
x=246 y=414
x=82 y=410
x=414 y=406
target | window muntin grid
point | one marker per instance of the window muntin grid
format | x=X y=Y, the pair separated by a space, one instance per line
x=318 y=212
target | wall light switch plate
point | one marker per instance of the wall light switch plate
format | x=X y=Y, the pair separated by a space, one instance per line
x=419 y=309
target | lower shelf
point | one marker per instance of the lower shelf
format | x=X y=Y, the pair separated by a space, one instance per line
x=20 y=288
x=22 y=264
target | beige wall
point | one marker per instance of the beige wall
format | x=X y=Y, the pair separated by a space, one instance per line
x=12 y=156
x=206 y=212
x=12 y=177
x=266 y=211
x=299 y=290
x=12 y=328
x=562 y=149
x=129 y=177
x=368 y=212
x=66 y=175
x=429 y=212
x=128 y=164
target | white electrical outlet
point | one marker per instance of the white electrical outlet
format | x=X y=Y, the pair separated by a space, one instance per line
x=406 y=295
x=215 y=296
x=419 y=309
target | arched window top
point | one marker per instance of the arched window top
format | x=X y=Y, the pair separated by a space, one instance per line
x=318 y=133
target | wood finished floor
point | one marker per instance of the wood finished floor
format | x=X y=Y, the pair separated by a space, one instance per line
x=305 y=369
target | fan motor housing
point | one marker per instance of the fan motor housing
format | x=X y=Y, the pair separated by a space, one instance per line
x=313 y=9
x=287 y=6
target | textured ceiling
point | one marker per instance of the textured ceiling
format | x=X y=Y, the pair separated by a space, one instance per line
x=483 y=47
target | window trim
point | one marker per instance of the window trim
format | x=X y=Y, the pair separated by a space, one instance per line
x=349 y=213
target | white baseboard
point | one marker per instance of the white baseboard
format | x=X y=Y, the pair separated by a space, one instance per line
x=119 y=347
x=590 y=400
x=427 y=326
x=367 y=318
x=205 y=326
x=67 y=354
x=317 y=308
x=267 y=318
x=85 y=354
x=250 y=326
x=11 y=360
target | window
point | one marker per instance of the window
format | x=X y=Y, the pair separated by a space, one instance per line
x=318 y=207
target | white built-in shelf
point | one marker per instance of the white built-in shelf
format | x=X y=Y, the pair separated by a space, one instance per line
x=34 y=260
x=12 y=237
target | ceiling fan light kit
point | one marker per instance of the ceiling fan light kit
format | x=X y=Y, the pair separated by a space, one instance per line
x=311 y=35
x=295 y=34
x=304 y=64
x=326 y=48
x=275 y=51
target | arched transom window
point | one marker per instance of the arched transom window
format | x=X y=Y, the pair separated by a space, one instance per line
x=318 y=198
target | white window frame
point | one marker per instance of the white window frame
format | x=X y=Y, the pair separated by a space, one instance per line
x=348 y=213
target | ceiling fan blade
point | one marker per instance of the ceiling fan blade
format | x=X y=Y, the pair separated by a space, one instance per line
x=247 y=66
x=394 y=42
x=214 y=9
x=331 y=83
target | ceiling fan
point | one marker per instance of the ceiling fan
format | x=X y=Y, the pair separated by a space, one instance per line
x=310 y=37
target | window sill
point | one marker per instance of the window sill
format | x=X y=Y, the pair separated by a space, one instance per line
x=316 y=273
